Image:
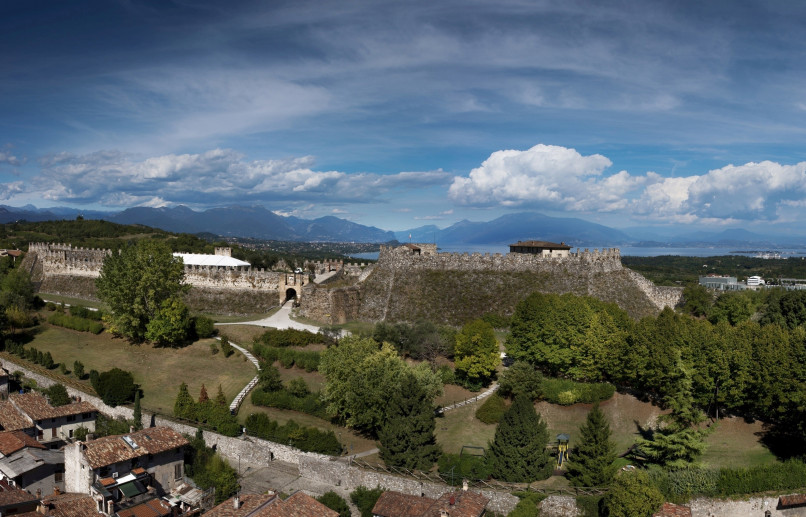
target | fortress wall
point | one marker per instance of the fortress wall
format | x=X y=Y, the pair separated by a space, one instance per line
x=332 y=306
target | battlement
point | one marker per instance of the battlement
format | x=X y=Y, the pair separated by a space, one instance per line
x=414 y=256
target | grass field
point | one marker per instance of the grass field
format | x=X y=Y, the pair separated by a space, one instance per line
x=241 y=334
x=159 y=371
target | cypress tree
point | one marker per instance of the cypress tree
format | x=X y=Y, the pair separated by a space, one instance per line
x=220 y=399
x=203 y=397
x=591 y=464
x=518 y=450
x=183 y=407
x=138 y=413
x=407 y=435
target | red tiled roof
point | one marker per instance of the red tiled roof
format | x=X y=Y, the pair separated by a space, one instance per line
x=152 y=508
x=12 y=441
x=11 y=495
x=459 y=504
x=108 y=481
x=788 y=501
x=11 y=419
x=265 y=505
x=113 y=449
x=37 y=407
x=542 y=244
x=70 y=505
x=673 y=510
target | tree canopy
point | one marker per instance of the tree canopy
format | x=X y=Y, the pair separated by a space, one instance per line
x=143 y=286
x=476 y=352
x=591 y=463
x=518 y=450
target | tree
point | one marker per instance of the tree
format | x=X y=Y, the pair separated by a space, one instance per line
x=523 y=378
x=518 y=450
x=171 y=325
x=220 y=399
x=184 y=407
x=365 y=499
x=136 y=283
x=203 y=397
x=407 y=434
x=633 y=495
x=591 y=463
x=78 y=369
x=697 y=300
x=115 y=387
x=335 y=502
x=57 y=395
x=476 y=352
x=137 y=415
x=269 y=377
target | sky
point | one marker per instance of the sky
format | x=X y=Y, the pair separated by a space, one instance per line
x=398 y=114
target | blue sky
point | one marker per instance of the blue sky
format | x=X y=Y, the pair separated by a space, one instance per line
x=399 y=114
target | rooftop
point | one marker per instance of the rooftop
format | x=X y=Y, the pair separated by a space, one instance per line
x=37 y=406
x=542 y=244
x=198 y=259
x=114 y=449
x=27 y=460
x=12 y=441
x=11 y=495
x=70 y=505
x=297 y=504
x=11 y=419
x=151 y=508
x=458 y=504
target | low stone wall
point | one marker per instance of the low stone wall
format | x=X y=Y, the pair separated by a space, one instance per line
x=755 y=506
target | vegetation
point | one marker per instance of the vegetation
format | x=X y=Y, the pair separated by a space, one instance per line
x=591 y=463
x=365 y=499
x=518 y=451
x=304 y=438
x=211 y=414
x=476 y=353
x=115 y=387
x=420 y=340
x=335 y=502
x=632 y=495
x=57 y=395
x=492 y=410
x=407 y=434
x=521 y=378
x=208 y=469
x=142 y=285
x=76 y=323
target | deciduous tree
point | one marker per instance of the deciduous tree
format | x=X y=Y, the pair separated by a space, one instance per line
x=476 y=352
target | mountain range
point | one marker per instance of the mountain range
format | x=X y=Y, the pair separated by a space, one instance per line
x=261 y=223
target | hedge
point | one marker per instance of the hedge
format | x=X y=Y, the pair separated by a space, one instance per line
x=307 y=439
x=566 y=392
x=308 y=360
x=492 y=410
x=311 y=404
x=76 y=323
x=276 y=338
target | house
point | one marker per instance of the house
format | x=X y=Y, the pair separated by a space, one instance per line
x=541 y=248
x=33 y=467
x=297 y=504
x=68 y=505
x=53 y=425
x=452 y=504
x=15 y=500
x=126 y=468
x=11 y=419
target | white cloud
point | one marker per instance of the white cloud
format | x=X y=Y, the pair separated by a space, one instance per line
x=213 y=177
x=10 y=159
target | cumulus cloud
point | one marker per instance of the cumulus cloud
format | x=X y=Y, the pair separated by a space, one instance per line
x=10 y=159
x=113 y=178
x=559 y=178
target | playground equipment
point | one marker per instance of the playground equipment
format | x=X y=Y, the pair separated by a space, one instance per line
x=562 y=449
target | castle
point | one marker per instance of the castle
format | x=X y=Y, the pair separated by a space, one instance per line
x=408 y=281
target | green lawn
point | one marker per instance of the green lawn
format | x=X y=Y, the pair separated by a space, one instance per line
x=159 y=371
x=735 y=443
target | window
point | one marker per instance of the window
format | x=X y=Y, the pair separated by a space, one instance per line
x=71 y=418
x=58 y=477
x=178 y=471
x=71 y=433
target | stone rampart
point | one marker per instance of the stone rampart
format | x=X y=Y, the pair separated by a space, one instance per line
x=596 y=261
x=331 y=306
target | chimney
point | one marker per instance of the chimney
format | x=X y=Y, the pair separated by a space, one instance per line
x=236 y=501
x=110 y=507
x=39 y=493
x=464 y=485
x=452 y=500
x=131 y=429
x=56 y=490
x=444 y=513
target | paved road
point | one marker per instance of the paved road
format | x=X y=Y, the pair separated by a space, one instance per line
x=279 y=320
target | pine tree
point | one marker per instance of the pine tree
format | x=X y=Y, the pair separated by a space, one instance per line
x=203 y=397
x=518 y=450
x=183 y=407
x=407 y=434
x=591 y=464
x=220 y=399
x=678 y=442
x=138 y=413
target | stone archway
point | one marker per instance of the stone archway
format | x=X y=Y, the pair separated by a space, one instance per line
x=291 y=294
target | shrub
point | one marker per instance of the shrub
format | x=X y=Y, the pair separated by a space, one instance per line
x=527 y=506
x=213 y=349
x=311 y=403
x=276 y=338
x=365 y=499
x=307 y=439
x=83 y=312
x=115 y=386
x=492 y=410
x=497 y=321
x=566 y=391
x=204 y=327
x=226 y=347
x=446 y=374
x=78 y=369
x=57 y=395
x=335 y=502
x=298 y=387
x=80 y=433
x=76 y=323
x=521 y=377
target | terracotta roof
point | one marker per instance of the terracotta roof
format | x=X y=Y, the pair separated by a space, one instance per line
x=12 y=441
x=70 y=505
x=114 y=449
x=673 y=510
x=11 y=419
x=37 y=407
x=397 y=504
x=108 y=481
x=11 y=495
x=543 y=244
x=138 y=471
x=458 y=504
x=791 y=501
x=152 y=508
x=270 y=505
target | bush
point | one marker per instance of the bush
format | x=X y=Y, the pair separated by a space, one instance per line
x=275 y=338
x=497 y=321
x=527 y=506
x=521 y=377
x=83 y=312
x=78 y=369
x=226 y=347
x=311 y=403
x=308 y=360
x=57 y=395
x=365 y=499
x=307 y=439
x=446 y=374
x=204 y=327
x=492 y=410
x=115 y=386
x=335 y=502
x=567 y=392
x=81 y=433
x=76 y=323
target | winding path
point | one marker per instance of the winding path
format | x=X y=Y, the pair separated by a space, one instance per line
x=239 y=398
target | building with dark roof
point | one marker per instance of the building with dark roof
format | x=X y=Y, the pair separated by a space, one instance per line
x=463 y=503
x=34 y=468
x=14 y=500
x=69 y=505
x=541 y=248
